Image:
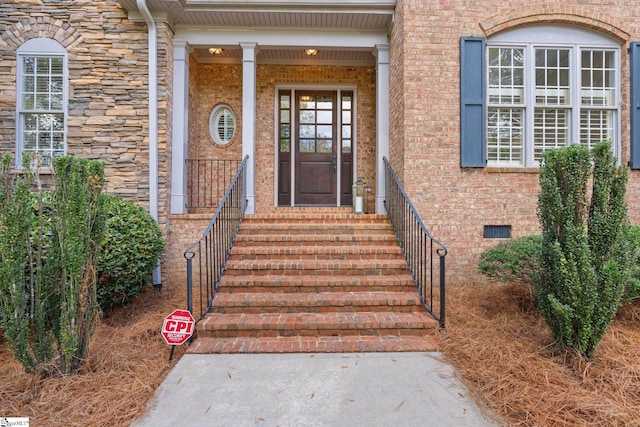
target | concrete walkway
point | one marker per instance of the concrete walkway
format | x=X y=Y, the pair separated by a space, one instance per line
x=325 y=389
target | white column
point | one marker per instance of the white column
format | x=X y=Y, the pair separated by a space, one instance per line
x=382 y=122
x=180 y=125
x=249 y=120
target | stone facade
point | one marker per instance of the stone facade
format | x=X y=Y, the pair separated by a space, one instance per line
x=108 y=108
x=108 y=86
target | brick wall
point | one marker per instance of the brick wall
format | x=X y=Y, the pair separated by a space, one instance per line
x=213 y=84
x=455 y=203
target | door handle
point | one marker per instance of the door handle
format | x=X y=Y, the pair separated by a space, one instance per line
x=334 y=163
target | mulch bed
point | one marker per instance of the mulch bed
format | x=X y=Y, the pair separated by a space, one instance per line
x=127 y=361
x=505 y=354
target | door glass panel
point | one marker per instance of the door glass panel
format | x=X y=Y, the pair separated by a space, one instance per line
x=308 y=116
x=346 y=146
x=307 y=145
x=307 y=102
x=307 y=131
x=325 y=103
x=284 y=101
x=346 y=132
x=324 y=146
x=324 y=131
x=325 y=117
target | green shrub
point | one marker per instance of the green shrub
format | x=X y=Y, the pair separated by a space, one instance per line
x=48 y=253
x=131 y=248
x=513 y=261
x=585 y=259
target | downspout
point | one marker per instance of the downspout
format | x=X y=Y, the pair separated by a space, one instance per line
x=153 y=122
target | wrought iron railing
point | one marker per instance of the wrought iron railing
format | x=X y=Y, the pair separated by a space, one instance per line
x=207 y=180
x=424 y=254
x=212 y=250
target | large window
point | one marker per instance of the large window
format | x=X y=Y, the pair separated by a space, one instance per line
x=548 y=87
x=41 y=100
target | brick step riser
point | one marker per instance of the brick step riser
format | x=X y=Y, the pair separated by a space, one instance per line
x=292 y=231
x=312 y=345
x=319 y=333
x=326 y=242
x=317 y=272
x=286 y=289
x=315 y=257
x=223 y=309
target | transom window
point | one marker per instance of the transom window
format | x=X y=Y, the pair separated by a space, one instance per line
x=548 y=87
x=42 y=100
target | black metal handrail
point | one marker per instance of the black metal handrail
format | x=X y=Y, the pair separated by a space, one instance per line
x=419 y=248
x=212 y=250
x=207 y=180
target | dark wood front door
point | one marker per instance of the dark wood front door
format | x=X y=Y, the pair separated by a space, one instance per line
x=316 y=156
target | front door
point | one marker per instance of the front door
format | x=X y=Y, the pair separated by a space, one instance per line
x=315 y=155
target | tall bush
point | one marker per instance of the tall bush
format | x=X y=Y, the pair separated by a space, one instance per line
x=584 y=259
x=48 y=254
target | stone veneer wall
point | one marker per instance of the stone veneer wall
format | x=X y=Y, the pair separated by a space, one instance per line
x=108 y=86
x=456 y=203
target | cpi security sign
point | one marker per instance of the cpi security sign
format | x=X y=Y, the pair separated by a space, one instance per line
x=178 y=327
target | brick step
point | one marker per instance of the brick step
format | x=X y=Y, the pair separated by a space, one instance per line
x=317 y=252
x=305 y=216
x=316 y=239
x=279 y=283
x=322 y=302
x=297 y=344
x=315 y=228
x=296 y=267
x=361 y=324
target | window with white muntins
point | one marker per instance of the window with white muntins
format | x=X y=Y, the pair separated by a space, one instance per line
x=41 y=100
x=550 y=86
x=222 y=124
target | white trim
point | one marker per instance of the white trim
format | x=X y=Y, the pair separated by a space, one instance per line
x=249 y=121
x=318 y=38
x=180 y=134
x=214 y=119
x=382 y=123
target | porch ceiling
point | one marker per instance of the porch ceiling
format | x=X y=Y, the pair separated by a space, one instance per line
x=369 y=15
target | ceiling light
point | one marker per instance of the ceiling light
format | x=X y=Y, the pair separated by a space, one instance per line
x=215 y=50
x=311 y=52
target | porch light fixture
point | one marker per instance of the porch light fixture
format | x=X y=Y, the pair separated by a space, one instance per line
x=311 y=52
x=215 y=50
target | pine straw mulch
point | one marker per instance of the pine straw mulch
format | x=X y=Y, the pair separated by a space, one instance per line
x=500 y=345
x=127 y=361
x=505 y=355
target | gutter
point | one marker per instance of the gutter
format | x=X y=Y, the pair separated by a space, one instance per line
x=153 y=122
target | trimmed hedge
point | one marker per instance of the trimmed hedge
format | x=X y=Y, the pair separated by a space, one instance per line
x=132 y=246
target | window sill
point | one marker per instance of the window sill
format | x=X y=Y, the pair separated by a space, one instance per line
x=497 y=169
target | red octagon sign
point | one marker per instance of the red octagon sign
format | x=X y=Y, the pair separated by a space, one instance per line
x=178 y=327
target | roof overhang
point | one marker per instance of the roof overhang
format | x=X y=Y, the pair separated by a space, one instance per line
x=343 y=32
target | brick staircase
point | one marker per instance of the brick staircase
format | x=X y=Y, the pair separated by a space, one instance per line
x=314 y=281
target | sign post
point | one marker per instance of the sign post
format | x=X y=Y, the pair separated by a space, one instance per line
x=177 y=328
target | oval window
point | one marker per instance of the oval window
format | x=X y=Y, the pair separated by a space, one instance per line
x=222 y=124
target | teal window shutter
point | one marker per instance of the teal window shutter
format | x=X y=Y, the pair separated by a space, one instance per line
x=634 y=50
x=473 y=152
